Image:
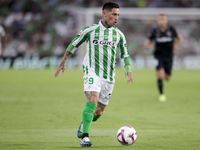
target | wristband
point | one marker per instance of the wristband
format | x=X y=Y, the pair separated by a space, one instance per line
x=128 y=68
x=127 y=60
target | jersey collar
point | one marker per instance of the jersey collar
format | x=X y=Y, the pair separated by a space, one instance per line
x=165 y=30
x=103 y=27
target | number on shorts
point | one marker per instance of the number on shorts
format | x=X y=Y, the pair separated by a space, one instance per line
x=91 y=80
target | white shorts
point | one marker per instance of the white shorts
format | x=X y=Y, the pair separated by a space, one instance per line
x=102 y=86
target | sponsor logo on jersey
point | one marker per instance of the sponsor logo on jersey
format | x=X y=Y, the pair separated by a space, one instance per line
x=164 y=39
x=108 y=43
x=95 y=42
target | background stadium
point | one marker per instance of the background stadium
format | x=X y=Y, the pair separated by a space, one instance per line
x=38 y=111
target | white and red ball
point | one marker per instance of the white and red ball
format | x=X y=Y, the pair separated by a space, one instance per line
x=126 y=135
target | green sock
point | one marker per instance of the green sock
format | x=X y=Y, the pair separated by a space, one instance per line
x=95 y=118
x=87 y=116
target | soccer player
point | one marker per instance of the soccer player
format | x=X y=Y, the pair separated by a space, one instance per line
x=103 y=39
x=166 y=40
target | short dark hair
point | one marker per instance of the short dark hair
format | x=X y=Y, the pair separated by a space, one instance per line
x=110 y=5
x=162 y=15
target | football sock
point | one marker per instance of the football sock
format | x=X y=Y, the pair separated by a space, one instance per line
x=95 y=118
x=160 y=86
x=87 y=116
x=85 y=135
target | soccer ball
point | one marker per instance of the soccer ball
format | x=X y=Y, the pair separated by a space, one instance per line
x=126 y=135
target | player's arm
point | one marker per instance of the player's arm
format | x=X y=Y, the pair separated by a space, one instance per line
x=178 y=42
x=76 y=42
x=128 y=73
x=126 y=58
x=148 y=44
x=62 y=64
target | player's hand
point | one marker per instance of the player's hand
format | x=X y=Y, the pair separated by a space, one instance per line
x=130 y=78
x=175 y=47
x=150 y=47
x=61 y=67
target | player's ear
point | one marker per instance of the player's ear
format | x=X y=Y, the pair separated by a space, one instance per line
x=104 y=13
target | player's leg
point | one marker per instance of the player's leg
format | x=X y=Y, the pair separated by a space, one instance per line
x=160 y=74
x=168 y=68
x=160 y=77
x=99 y=111
x=92 y=88
x=97 y=114
x=88 y=112
x=87 y=116
x=104 y=98
x=167 y=77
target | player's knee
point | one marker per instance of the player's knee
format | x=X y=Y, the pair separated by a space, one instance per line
x=161 y=78
x=167 y=78
x=161 y=75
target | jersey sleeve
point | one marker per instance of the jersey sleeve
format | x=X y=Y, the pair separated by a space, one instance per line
x=151 y=34
x=78 y=40
x=174 y=32
x=124 y=52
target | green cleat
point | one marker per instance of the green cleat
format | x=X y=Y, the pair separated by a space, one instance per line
x=162 y=98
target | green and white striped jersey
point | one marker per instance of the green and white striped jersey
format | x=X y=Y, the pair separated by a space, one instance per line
x=102 y=47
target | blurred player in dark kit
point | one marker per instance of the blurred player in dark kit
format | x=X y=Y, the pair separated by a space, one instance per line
x=166 y=40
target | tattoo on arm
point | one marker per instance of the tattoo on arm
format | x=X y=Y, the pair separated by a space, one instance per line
x=68 y=53
x=65 y=57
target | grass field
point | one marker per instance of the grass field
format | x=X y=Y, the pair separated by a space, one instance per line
x=38 y=111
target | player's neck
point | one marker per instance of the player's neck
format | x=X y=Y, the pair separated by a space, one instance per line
x=163 y=28
x=105 y=24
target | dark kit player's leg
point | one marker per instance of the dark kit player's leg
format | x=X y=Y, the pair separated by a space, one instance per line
x=168 y=68
x=160 y=77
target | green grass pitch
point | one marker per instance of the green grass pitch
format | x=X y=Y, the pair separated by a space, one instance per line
x=39 y=111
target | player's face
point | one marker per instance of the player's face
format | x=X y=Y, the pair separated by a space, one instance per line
x=162 y=20
x=111 y=17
